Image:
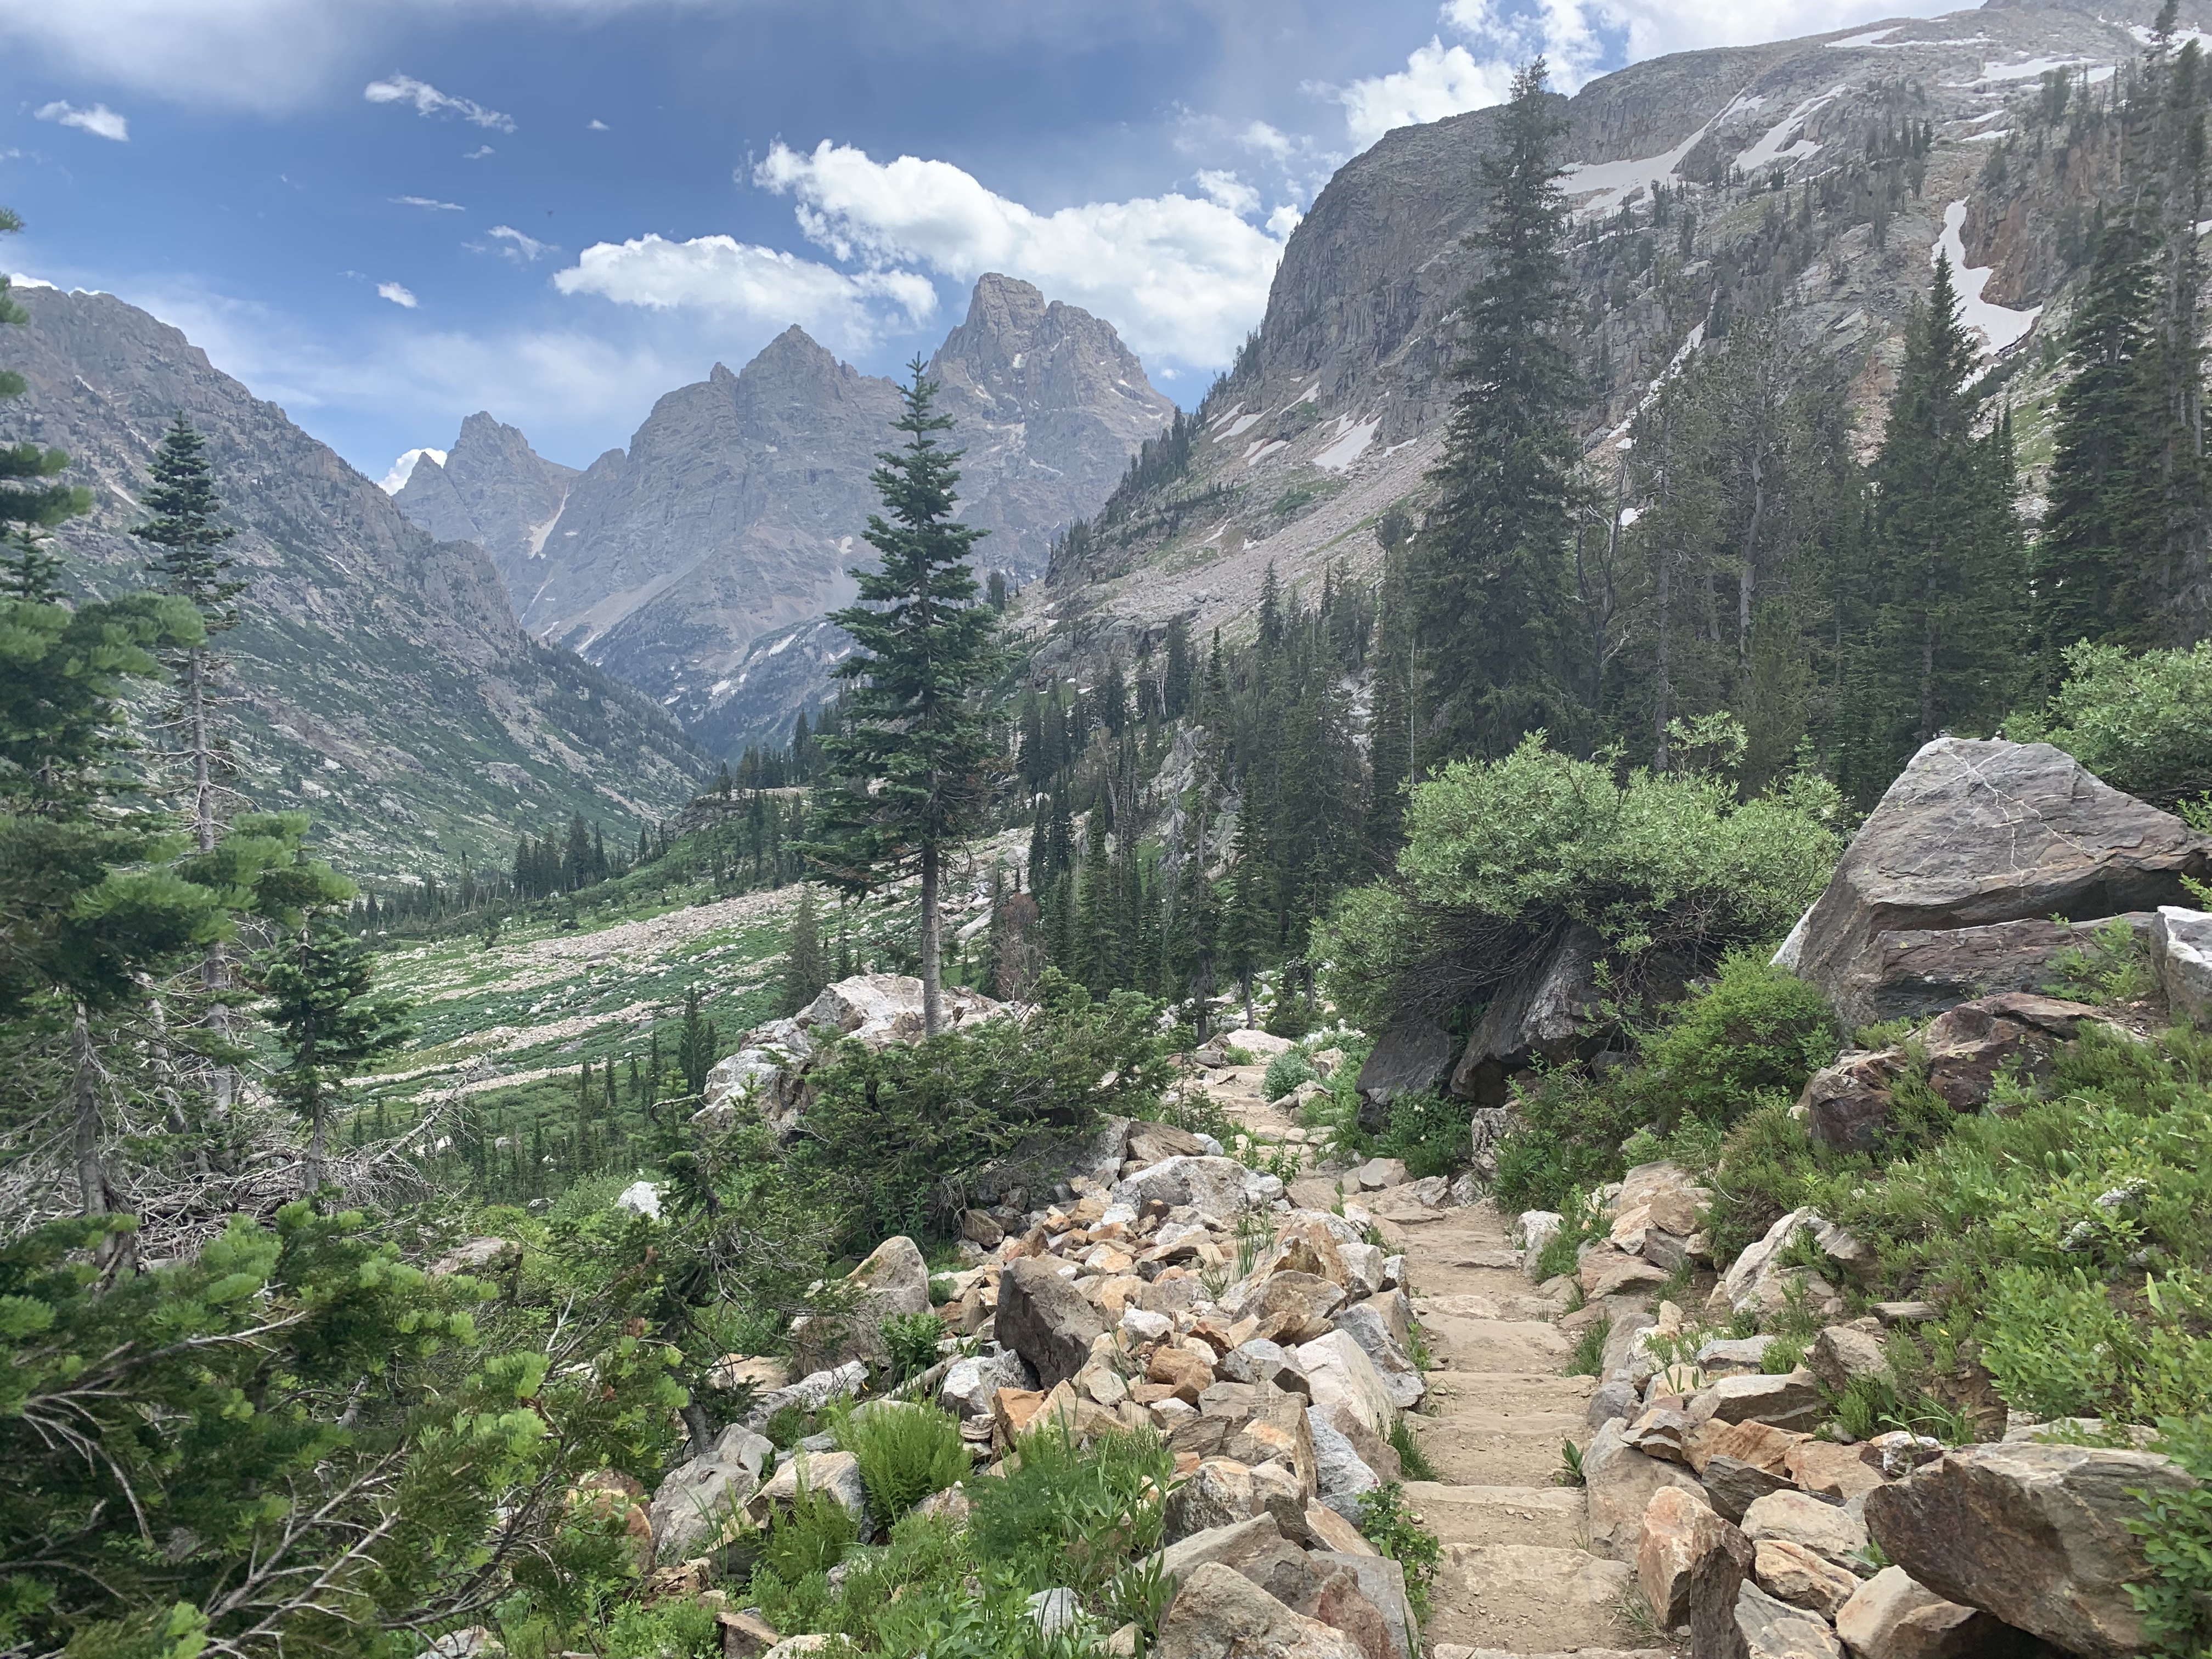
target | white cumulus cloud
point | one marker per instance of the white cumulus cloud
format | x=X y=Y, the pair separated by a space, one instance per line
x=750 y=283
x=1181 y=278
x=1437 y=80
x=396 y=294
x=99 y=121
x=428 y=100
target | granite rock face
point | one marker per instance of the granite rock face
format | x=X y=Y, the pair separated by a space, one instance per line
x=739 y=508
x=382 y=683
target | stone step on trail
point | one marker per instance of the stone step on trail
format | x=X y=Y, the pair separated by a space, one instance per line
x=1557 y=1517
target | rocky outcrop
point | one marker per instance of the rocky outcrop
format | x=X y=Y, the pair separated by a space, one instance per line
x=1959 y=1054
x=1043 y=1318
x=1548 y=1011
x=2037 y=1536
x=1975 y=833
x=893 y=1281
x=1414 y=1056
x=698 y=1505
x=493 y=490
x=379 y=680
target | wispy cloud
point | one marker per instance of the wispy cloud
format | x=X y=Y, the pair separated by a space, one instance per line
x=428 y=100
x=396 y=294
x=597 y=126
x=430 y=202
x=478 y=153
x=99 y=121
x=522 y=249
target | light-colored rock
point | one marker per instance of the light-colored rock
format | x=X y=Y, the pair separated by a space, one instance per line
x=1217 y=1186
x=1261 y=1045
x=1232 y=1546
x=1218 y=1493
x=1756 y=1281
x=1620 y=1482
x=737 y=1370
x=810 y=1393
x=970 y=1384
x=641 y=1198
x=1363 y=1270
x=833 y=1472
x=1791 y=1573
x=1045 y=1320
x=1974 y=833
x=1790 y=1402
x=2181 y=955
x=1532 y=1230
x=1827 y=1530
x=1608 y=1271
x=1772 y=1629
x=1303 y=1301
x=1891 y=1617
x=699 y=1501
x=1053 y=1610
x=1341 y=1375
x=1678 y=1530
x=893 y=1281
x=1823 y=1467
x=1218 y=1613
x=1735 y=1486
x=1843 y=1352
x=1380 y=1172
x=1726 y=1357
x=1340 y=1474
x=1381 y=1338
x=879 y=1009
x=2035 y=1535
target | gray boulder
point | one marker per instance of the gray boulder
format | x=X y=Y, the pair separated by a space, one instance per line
x=2037 y=1536
x=1340 y=1474
x=1413 y=1055
x=698 y=1501
x=1548 y=1011
x=2181 y=951
x=1219 y=1613
x=1976 y=833
x=1046 y=1320
x=1217 y=1187
x=1775 y=1630
x=893 y=1281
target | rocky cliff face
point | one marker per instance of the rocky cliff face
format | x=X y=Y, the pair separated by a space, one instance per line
x=738 y=509
x=493 y=489
x=381 y=681
x=1702 y=185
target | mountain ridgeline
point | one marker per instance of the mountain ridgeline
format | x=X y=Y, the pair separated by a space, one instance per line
x=381 y=681
x=726 y=529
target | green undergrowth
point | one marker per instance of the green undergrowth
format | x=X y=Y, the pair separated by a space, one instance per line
x=1062 y=1516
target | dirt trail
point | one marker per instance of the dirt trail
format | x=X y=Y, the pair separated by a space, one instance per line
x=1516 y=1577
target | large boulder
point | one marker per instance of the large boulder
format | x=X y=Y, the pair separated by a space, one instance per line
x=1973 y=834
x=1379 y=1325
x=1219 y=1613
x=1340 y=1474
x=698 y=1502
x=1890 y=1616
x=2035 y=1534
x=1827 y=1530
x=1757 y=1281
x=835 y=1473
x=1046 y=1320
x=879 y=1009
x=2181 y=953
x=1676 y=1535
x=894 y=1280
x=768 y=1072
x=1414 y=1056
x=1340 y=1374
x=1219 y=1187
x=1549 y=1010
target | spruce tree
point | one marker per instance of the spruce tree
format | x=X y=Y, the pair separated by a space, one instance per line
x=909 y=766
x=28 y=500
x=1494 y=557
x=1951 y=626
x=804 y=970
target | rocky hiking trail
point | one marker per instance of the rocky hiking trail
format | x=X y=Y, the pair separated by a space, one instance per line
x=1517 y=1575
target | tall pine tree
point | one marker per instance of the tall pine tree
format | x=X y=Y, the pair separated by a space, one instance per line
x=909 y=766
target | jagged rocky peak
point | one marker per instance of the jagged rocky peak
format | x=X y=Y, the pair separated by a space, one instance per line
x=1017 y=354
x=493 y=490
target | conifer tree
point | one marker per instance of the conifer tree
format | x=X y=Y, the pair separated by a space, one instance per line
x=1493 y=558
x=28 y=498
x=804 y=970
x=1951 y=624
x=909 y=766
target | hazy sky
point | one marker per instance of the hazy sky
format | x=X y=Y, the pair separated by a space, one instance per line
x=386 y=214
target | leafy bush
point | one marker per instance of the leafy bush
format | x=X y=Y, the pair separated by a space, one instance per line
x=911 y=1340
x=895 y=1135
x=2142 y=724
x=1499 y=855
x=1285 y=1072
x=809 y=1535
x=671 y=1629
x=2175 y=1528
x=1389 y=1523
x=1758 y=1032
x=1066 y=1513
x=906 y=1452
x=2106 y=965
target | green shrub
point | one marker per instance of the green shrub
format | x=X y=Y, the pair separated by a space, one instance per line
x=2142 y=724
x=895 y=1135
x=1389 y=1523
x=671 y=1629
x=911 y=1340
x=1066 y=1514
x=906 y=1452
x=1285 y=1072
x=2175 y=1528
x=1499 y=854
x=2105 y=965
x=1564 y=1137
x=1757 y=1033
x=809 y=1535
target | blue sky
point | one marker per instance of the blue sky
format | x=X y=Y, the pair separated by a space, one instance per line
x=387 y=214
